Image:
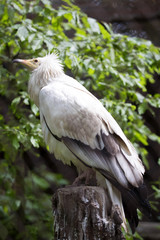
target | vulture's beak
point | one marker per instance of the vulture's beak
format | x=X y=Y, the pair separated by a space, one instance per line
x=30 y=63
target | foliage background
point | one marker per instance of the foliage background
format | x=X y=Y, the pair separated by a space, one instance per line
x=115 y=67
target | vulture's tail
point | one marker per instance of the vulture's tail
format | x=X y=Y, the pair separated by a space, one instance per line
x=133 y=199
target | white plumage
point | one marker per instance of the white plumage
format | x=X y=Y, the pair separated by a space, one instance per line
x=79 y=129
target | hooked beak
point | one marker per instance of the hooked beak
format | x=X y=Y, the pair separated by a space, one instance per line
x=28 y=63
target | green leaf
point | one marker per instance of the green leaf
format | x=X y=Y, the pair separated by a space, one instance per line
x=1 y=9
x=22 y=33
x=142 y=108
x=34 y=141
x=94 y=25
x=35 y=109
x=15 y=142
x=14 y=103
x=36 y=44
x=141 y=138
x=41 y=182
x=31 y=37
x=50 y=46
x=46 y=2
x=157 y=191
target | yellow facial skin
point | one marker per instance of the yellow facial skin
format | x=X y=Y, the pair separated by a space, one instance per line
x=30 y=63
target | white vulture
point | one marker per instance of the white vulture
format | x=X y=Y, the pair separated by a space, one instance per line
x=78 y=129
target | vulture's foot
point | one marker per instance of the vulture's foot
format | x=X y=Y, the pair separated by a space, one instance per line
x=87 y=178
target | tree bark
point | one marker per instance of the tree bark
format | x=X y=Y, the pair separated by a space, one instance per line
x=82 y=213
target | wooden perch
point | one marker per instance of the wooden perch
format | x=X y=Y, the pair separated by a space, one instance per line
x=81 y=213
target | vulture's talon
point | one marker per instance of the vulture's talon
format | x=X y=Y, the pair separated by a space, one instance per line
x=87 y=178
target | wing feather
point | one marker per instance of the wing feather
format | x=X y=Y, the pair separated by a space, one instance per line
x=71 y=112
x=78 y=128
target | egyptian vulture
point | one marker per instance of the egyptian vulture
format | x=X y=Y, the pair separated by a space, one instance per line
x=78 y=129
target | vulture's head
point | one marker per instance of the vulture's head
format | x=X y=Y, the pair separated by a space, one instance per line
x=44 y=71
x=50 y=65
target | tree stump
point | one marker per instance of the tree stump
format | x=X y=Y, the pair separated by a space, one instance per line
x=82 y=213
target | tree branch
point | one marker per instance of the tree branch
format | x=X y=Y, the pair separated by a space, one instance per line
x=82 y=213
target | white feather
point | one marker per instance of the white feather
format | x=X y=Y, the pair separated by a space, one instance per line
x=70 y=110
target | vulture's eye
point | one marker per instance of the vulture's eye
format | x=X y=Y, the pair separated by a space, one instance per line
x=35 y=60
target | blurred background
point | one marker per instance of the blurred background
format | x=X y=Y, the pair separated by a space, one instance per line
x=29 y=173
